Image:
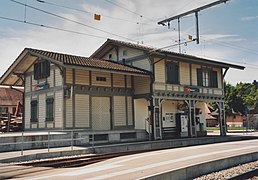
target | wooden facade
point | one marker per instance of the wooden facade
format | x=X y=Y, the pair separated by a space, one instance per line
x=134 y=87
x=178 y=84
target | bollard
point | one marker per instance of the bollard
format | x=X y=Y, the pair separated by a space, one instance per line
x=48 y=141
x=22 y=145
x=71 y=140
x=92 y=140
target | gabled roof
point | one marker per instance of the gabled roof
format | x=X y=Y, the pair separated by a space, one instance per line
x=110 y=43
x=10 y=97
x=28 y=56
x=67 y=59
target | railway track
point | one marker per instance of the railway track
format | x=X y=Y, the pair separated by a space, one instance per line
x=9 y=171
x=78 y=161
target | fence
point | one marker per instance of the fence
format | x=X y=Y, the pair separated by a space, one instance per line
x=48 y=140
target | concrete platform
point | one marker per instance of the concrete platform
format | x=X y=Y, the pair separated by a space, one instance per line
x=177 y=163
x=36 y=154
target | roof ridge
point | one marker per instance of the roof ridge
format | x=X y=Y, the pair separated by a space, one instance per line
x=35 y=49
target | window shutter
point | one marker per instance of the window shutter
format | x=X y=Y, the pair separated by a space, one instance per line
x=172 y=73
x=213 y=79
x=50 y=109
x=199 y=77
x=34 y=111
x=169 y=73
x=176 y=74
x=36 y=70
x=47 y=68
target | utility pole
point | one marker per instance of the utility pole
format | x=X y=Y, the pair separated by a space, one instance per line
x=194 y=11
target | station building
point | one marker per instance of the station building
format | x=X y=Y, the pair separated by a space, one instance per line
x=123 y=89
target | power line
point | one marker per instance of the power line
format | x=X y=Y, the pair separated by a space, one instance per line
x=67 y=19
x=182 y=7
x=92 y=13
x=133 y=12
x=232 y=46
x=50 y=27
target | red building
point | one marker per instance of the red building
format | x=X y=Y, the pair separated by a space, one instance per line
x=10 y=100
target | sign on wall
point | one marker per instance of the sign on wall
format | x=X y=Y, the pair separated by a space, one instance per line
x=41 y=87
x=191 y=89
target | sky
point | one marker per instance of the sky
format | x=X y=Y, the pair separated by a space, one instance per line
x=228 y=32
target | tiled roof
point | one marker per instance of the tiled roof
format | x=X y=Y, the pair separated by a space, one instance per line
x=67 y=59
x=153 y=50
x=10 y=97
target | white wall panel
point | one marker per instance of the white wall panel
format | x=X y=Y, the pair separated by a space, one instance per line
x=82 y=111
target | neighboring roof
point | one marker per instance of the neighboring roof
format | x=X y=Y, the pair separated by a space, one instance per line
x=29 y=56
x=110 y=43
x=10 y=97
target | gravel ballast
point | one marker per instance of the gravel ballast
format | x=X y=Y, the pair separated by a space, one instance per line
x=231 y=172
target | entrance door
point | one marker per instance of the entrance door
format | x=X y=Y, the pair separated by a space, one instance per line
x=101 y=113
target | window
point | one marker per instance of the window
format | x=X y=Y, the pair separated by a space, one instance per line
x=34 y=111
x=41 y=70
x=101 y=78
x=110 y=56
x=124 y=52
x=207 y=78
x=49 y=109
x=172 y=73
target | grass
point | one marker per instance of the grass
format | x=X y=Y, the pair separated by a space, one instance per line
x=229 y=128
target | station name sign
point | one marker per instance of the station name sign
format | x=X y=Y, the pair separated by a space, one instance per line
x=191 y=89
x=41 y=87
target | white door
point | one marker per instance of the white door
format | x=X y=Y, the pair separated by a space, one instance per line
x=101 y=113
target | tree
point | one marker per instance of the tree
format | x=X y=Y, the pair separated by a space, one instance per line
x=240 y=97
x=233 y=101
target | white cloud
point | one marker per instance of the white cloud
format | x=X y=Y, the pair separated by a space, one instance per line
x=249 y=18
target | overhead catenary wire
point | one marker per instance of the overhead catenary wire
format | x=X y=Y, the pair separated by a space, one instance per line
x=229 y=45
x=50 y=27
x=71 y=20
x=133 y=12
x=92 y=13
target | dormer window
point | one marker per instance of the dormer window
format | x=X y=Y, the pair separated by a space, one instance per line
x=41 y=70
x=110 y=56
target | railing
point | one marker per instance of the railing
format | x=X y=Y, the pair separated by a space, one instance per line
x=71 y=141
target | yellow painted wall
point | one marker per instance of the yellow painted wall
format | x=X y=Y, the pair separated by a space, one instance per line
x=141 y=113
x=184 y=73
x=82 y=111
x=119 y=111
x=82 y=77
x=58 y=112
x=141 y=85
x=106 y=83
x=118 y=80
x=69 y=75
x=160 y=71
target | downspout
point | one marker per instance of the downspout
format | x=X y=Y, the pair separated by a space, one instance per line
x=151 y=103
